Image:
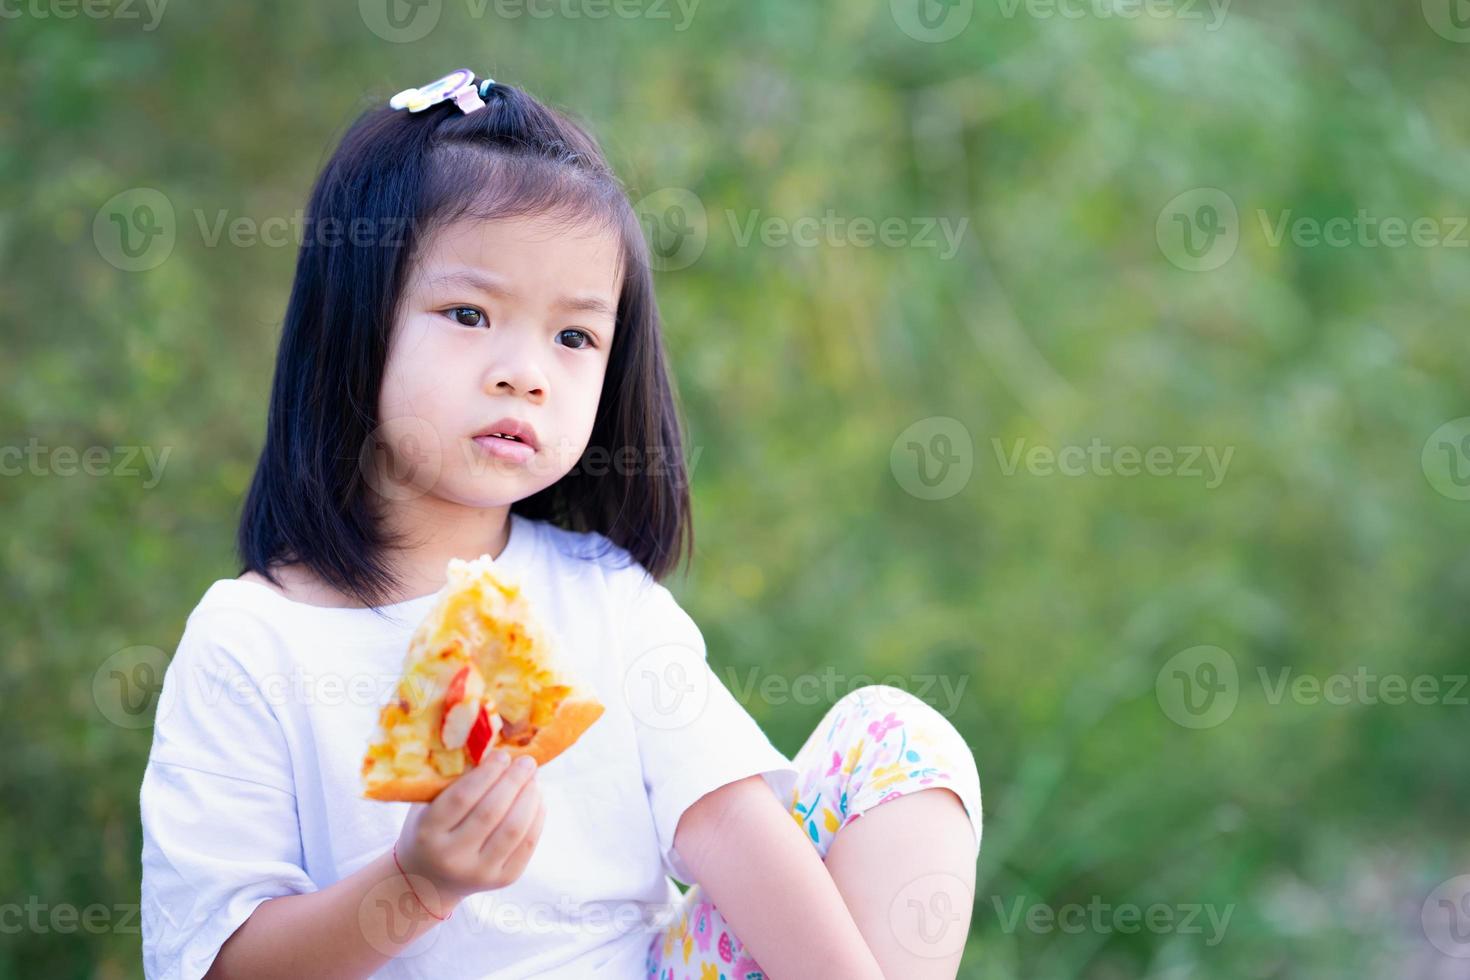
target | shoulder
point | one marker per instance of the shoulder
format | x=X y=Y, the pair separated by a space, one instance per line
x=296 y=583
x=240 y=624
x=594 y=552
x=590 y=564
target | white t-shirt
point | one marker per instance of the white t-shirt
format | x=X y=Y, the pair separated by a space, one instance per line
x=253 y=789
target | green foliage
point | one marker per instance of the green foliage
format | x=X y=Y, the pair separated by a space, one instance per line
x=1066 y=316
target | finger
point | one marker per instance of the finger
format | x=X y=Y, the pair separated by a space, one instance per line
x=450 y=806
x=490 y=808
x=513 y=827
x=520 y=858
x=537 y=826
x=520 y=855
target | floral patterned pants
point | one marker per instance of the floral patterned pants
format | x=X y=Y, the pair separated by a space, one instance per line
x=875 y=744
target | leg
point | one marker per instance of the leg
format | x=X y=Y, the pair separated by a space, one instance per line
x=906 y=869
x=907 y=872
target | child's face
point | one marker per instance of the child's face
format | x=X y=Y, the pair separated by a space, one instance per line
x=506 y=319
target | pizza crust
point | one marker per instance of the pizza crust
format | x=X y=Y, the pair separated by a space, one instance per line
x=573 y=717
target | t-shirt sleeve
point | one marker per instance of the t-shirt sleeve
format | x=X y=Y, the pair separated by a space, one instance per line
x=693 y=735
x=220 y=830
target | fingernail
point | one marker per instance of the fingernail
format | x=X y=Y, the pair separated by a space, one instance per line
x=526 y=762
x=501 y=757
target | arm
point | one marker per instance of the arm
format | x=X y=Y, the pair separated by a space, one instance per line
x=477 y=835
x=784 y=906
x=327 y=933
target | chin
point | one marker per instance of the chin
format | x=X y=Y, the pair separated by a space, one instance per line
x=481 y=498
x=487 y=492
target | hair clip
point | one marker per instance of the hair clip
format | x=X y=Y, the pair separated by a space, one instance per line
x=459 y=86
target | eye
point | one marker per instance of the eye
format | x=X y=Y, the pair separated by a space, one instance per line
x=586 y=338
x=466 y=316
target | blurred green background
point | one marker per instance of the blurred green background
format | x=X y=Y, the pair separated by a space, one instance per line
x=869 y=420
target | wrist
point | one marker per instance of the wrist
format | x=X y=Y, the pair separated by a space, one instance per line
x=421 y=890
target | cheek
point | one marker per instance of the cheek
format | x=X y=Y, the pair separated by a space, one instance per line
x=582 y=410
x=416 y=380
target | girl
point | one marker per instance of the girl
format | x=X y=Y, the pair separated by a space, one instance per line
x=471 y=363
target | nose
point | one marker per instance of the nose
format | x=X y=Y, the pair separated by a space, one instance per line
x=516 y=370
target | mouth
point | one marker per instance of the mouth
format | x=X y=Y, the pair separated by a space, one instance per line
x=508 y=439
x=509 y=430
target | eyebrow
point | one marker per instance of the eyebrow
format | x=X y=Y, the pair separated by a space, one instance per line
x=496 y=287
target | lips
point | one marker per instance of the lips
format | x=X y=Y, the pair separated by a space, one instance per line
x=510 y=430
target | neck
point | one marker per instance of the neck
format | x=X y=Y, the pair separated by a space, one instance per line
x=431 y=531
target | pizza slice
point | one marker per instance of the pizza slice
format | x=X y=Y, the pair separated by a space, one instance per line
x=480 y=674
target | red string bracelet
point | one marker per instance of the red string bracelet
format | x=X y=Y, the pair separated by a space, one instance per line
x=411 y=889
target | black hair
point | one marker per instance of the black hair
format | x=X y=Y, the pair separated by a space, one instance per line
x=396 y=177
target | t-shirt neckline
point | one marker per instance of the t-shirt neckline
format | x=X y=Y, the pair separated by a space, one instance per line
x=515 y=557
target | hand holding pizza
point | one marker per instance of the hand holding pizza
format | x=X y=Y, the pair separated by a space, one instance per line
x=478 y=834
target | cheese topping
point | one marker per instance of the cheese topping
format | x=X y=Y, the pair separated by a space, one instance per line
x=486 y=624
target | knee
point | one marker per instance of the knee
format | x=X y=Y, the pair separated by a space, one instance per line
x=886 y=696
x=876 y=701
x=919 y=717
x=879 y=699
x=931 y=737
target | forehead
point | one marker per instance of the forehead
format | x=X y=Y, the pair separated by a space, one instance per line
x=525 y=254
